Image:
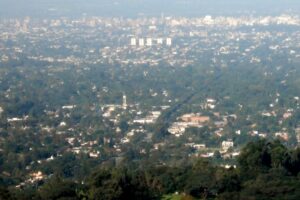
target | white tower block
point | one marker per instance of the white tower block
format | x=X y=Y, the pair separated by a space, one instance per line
x=141 y=42
x=149 y=42
x=159 y=41
x=169 y=41
x=133 y=42
x=124 y=102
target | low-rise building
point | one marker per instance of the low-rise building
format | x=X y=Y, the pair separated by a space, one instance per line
x=227 y=144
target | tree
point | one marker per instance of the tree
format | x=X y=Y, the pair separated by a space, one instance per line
x=58 y=189
x=217 y=155
x=273 y=185
x=201 y=179
x=5 y=194
x=294 y=163
x=255 y=158
x=229 y=182
x=118 y=184
x=279 y=154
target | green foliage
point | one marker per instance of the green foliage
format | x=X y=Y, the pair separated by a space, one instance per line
x=229 y=182
x=294 y=163
x=266 y=170
x=259 y=157
x=5 y=194
x=271 y=186
x=118 y=184
x=176 y=197
x=58 y=189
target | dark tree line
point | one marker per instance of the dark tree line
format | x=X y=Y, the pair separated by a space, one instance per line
x=266 y=170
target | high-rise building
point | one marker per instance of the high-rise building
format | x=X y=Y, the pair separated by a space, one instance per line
x=149 y=42
x=141 y=42
x=124 y=105
x=169 y=41
x=133 y=42
x=159 y=41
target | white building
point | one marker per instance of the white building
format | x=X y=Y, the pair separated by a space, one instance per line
x=69 y=107
x=159 y=41
x=124 y=105
x=227 y=144
x=176 y=130
x=141 y=42
x=149 y=42
x=208 y=20
x=169 y=41
x=133 y=42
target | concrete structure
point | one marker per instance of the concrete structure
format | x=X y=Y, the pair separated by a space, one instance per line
x=141 y=42
x=133 y=42
x=159 y=41
x=227 y=144
x=149 y=42
x=195 y=118
x=124 y=104
x=169 y=41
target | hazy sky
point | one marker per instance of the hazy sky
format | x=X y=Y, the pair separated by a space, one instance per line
x=55 y=8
